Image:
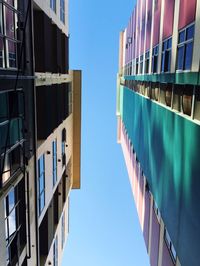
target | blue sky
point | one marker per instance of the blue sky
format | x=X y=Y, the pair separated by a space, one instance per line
x=104 y=227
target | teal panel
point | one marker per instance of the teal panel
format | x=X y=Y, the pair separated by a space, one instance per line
x=177 y=78
x=168 y=148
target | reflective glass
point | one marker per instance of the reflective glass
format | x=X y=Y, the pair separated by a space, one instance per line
x=163 y=63
x=169 y=43
x=1 y=19
x=188 y=55
x=12 y=54
x=181 y=36
x=41 y=179
x=11 y=199
x=12 y=222
x=180 y=58
x=2 y=62
x=10 y=22
x=41 y=165
x=190 y=32
x=42 y=202
x=3 y=107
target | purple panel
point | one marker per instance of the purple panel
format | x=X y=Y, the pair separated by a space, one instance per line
x=156 y=25
x=146 y=218
x=143 y=26
x=155 y=235
x=138 y=28
x=134 y=33
x=187 y=12
x=166 y=258
x=149 y=22
x=168 y=18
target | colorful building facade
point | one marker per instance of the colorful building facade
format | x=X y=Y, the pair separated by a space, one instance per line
x=158 y=112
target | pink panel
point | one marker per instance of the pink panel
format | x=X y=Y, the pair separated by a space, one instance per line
x=134 y=33
x=166 y=258
x=141 y=198
x=156 y=25
x=136 y=182
x=149 y=22
x=168 y=18
x=155 y=235
x=187 y=12
x=143 y=26
x=138 y=28
x=146 y=218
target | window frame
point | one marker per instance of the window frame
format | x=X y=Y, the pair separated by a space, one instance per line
x=41 y=192
x=54 y=162
x=62 y=11
x=183 y=44
x=53 y=5
x=155 y=54
x=166 y=51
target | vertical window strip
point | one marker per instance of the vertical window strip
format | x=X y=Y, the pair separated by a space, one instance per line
x=185 y=48
x=54 y=158
x=41 y=181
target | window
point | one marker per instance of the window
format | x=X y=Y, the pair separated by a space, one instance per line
x=54 y=161
x=63 y=146
x=55 y=252
x=166 y=55
x=137 y=63
x=155 y=59
x=15 y=225
x=41 y=181
x=63 y=229
x=185 y=48
x=146 y=70
x=53 y=5
x=170 y=245
x=8 y=34
x=62 y=11
x=141 y=64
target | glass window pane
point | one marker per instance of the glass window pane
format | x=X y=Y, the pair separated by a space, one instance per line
x=12 y=54
x=41 y=165
x=188 y=55
x=163 y=63
x=181 y=36
x=1 y=19
x=180 y=58
x=42 y=201
x=14 y=132
x=190 y=32
x=10 y=22
x=12 y=222
x=11 y=199
x=41 y=183
x=2 y=61
x=164 y=45
x=169 y=43
x=3 y=106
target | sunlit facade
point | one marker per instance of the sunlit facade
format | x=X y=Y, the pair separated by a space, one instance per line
x=40 y=131
x=158 y=113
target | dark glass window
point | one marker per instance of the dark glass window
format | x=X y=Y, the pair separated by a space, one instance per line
x=170 y=245
x=185 y=48
x=141 y=64
x=55 y=252
x=41 y=181
x=155 y=59
x=137 y=63
x=54 y=160
x=15 y=225
x=166 y=56
x=62 y=11
x=8 y=34
x=147 y=62
x=53 y=5
x=63 y=229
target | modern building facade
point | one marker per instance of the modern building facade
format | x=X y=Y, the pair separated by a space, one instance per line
x=158 y=113
x=40 y=129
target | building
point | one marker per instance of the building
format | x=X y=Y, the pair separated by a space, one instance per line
x=158 y=113
x=40 y=131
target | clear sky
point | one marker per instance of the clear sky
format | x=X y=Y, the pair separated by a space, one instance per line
x=104 y=227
